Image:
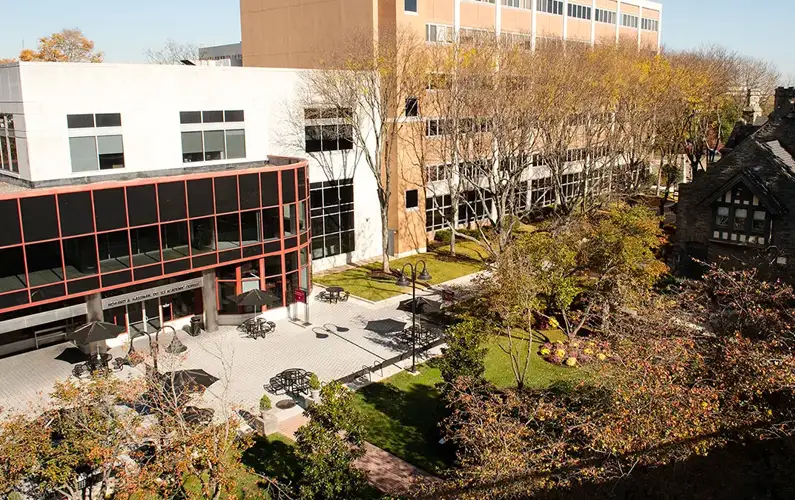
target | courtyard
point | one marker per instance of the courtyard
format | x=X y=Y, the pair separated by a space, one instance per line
x=336 y=345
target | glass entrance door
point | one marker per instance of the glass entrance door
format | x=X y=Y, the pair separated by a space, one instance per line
x=144 y=316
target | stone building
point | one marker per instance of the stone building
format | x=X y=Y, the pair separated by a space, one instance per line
x=741 y=208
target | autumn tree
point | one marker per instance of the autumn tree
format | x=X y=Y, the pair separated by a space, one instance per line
x=172 y=52
x=68 y=45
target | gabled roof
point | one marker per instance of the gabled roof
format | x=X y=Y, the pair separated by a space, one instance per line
x=764 y=161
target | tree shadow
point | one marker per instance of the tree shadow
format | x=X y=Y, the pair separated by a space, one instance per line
x=273 y=458
x=414 y=433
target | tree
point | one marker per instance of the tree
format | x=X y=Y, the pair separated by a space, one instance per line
x=68 y=45
x=7 y=61
x=465 y=353
x=329 y=444
x=172 y=52
x=366 y=83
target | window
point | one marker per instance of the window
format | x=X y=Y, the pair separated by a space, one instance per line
x=438 y=33
x=98 y=149
x=740 y=218
x=435 y=127
x=736 y=221
x=605 y=16
x=759 y=224
x=629 y=20
x=579 y=11
x=412 y=199
x=519 y=4
x=412 y=106
x=328 y=129
x=578 y=154
x=551 y=7
x=649 y=24
x=435 y=173
x=214 y=141
x=410 y=5
x=332 y=218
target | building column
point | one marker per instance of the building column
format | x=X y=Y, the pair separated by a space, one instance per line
x=565 y=19
x=533 y=22
x=209 y=301
x=593 y=23
x=93 y=313
x=618 y=21
x=640 y=24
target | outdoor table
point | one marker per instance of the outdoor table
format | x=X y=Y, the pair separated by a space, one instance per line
x=294 y=380
x=334 y=292
x=423 y=335
x=98 y=361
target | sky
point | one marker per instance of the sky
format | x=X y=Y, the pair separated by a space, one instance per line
x=124 y=30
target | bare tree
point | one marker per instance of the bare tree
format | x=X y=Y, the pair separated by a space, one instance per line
x=368 y=83
x=173 y=52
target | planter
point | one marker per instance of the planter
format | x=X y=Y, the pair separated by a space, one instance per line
x=314 y=394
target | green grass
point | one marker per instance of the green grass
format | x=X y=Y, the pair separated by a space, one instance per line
x=442 y=266
x=402 y=412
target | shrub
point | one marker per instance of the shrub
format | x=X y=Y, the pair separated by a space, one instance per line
x=314 y=382
x=573 y=352
x=265 y=403
x=465 y=353
x=445 y=235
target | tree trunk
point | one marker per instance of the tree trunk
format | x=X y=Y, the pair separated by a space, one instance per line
x=385 y=240
x=452 y=242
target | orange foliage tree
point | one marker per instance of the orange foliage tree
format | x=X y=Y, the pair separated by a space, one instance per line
x=69 y=45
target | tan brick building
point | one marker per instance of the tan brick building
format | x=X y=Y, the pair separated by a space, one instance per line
x=297 y=34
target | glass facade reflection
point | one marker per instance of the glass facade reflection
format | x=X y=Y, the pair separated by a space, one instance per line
x=65 y=242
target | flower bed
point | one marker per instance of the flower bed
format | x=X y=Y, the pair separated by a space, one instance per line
x=573 y=352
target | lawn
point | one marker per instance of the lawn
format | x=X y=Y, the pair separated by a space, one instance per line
x=402 y=412
x=442 y=266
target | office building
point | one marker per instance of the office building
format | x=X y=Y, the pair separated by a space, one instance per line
x=142 y=194
x=300 y=34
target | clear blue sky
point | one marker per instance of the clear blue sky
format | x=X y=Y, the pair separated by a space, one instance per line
x=125 y=29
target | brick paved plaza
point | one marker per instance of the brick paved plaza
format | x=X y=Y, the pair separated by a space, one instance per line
x=242 y=364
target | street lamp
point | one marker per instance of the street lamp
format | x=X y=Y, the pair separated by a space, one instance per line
x=403 y=281
x=174 y=347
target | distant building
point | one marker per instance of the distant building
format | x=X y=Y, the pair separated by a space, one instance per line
x=224 y=55
x=740 y=208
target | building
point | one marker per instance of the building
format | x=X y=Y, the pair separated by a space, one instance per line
x=299 y=33
x=143 y=194
x=740 y=208
x=222 y=55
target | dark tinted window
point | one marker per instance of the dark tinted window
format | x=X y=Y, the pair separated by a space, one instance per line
x=171 y=196
x=200 y=197
x=248 y=187
x=83 y=285
x=109 y=120
x=109 y=209
x=233 y=116
x=412 y=198
x=75 y=213
x=10 y=234
x=80 y=121
x=190 y=117
x=44 y=263
x=301 y=183
x=116 y=278
x=273 y=265
x=38 y=218
x=225 y=194
x=12 y=269
x=47 y=292
x=212 y=116
x=270 y=189
x=142 y=205
x=288 y=186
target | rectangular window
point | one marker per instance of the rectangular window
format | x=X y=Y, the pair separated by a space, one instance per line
x=722 y=217
x=192 y=147
x=412 y=106
x=327 y=130
x=605 y=16
x=83 y=151
x=519 y=4
x=551 y=7
x=80 y=121
x=108 y=120
x=412 y=199
x=235 y=144
x=759 y=223
x=629 y=20
x=740 y=217
x=212 y=116
x=214 y=148
x=234 y=116
x=186 y=117
x=649 y=24
x=579 y=11
x=332 y=218
x=439 y=33
x=9 y=155
x=111 y=152
x=410 y=5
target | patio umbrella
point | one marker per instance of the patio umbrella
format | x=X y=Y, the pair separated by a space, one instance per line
x=257 y=298
x=385 y=326
x=424 y=306
x=96 y=331
x=189 y=380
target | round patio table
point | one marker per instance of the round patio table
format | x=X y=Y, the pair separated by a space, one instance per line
x=334 y=292
x=293 y=377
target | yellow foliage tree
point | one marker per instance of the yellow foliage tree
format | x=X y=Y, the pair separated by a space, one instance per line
x=69 y=45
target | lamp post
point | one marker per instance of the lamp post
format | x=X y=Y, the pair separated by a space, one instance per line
x=402 y=281
x=174 y=347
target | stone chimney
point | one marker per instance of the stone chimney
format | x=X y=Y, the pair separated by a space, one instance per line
x=785 y=100
x=752 y=113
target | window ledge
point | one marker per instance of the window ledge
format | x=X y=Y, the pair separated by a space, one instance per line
x=411 y=13
x=738 y=243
